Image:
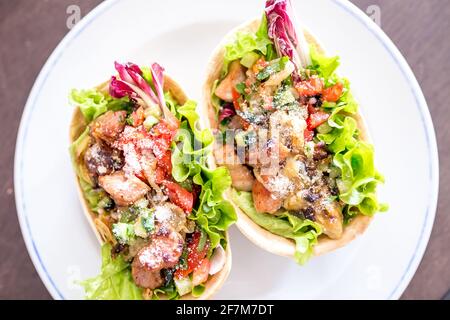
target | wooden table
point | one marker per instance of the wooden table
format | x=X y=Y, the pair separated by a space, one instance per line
x=30 y=30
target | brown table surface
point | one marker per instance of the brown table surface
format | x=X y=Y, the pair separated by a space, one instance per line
x=30 y=30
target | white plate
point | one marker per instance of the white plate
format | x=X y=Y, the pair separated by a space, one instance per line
x=180 y=35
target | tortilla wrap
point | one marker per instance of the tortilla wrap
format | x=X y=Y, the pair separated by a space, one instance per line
x=258 y=235
x=78 y=125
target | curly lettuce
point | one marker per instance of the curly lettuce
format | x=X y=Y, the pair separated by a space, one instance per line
x=214 y=215
x=325 y=65
x=191 y=148
x=358 y=177
x=92 y=103
x=303 y=231
x=115 y=281
x=247 y=42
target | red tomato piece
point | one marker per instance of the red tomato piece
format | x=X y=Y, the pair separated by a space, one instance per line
x=316 y=119
x=194 y=257
x=236 y=95
x=162 y=138
x=333 y=93
x=310 y=87
x=179 y=196
x=311 y=109
x=137 y=117
x=163 y=167
x=308 y=134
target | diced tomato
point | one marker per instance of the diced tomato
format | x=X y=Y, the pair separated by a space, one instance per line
x=160 y=147
x=245 y=124
x=311 y=109
x=316 y=119
x=160 y=175
x=166 y=162
x=194 y=256
x=162 y=128
x=179 y=196
x=333 y=93
x=310 y=87
x=260 y=64
x=162 y=138
x=201 y=273
x=308 y=135
x=163 y=167
x=236 y=105
x=137 y=117
x=182 y=273
x=236 y=95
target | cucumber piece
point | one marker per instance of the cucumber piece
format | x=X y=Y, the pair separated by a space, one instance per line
x=324 y=128
x=184 y=285
x=249 y=59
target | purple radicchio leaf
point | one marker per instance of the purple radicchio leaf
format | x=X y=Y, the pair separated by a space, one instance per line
x=226 y=112
x=158 y=81
x=131 y=83
x=136 y=75
x=282 y=30
x=119 y=89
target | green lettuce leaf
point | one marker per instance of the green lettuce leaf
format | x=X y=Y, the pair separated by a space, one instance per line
x=214 y=215
x=359 y=178
x=169 y=292
x=246 y=42
x=325 y=66
x=114 y=282
x=190 y=150
x=188 y=111
x=354 y=159
x=92 y=103
x=191 y=144
x=303 y=231
x=215 y=100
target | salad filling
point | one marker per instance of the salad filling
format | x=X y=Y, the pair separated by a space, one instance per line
x=141 y=163
x=290 y=134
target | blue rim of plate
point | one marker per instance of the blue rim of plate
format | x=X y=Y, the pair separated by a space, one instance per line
x=349 y=8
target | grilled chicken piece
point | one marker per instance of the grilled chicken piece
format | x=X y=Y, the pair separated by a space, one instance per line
x=124 y=190
x=108 y=126
x=331 y=219
x=224 y=154
x=241 y=176
x=163 y=252
x=236 y=74
x=236 y=123
x=274 y=181
x=264 y=201
x=171 y=216
x=295 y=202
x=288 y=128
x=101 y=160
x=144 y=278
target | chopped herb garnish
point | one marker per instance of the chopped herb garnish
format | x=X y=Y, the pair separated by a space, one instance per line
x=240 y=87
x=274 y=67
